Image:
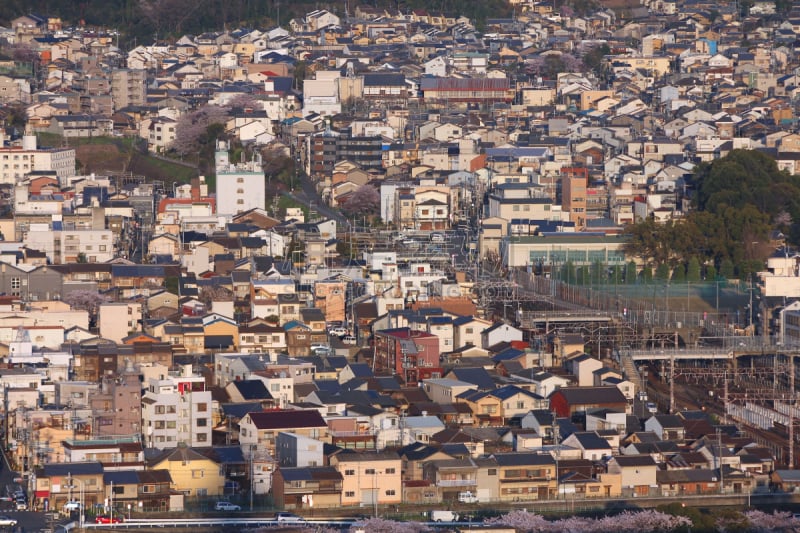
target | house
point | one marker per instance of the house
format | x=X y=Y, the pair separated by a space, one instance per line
x=368 y=478
x=59 y=483
x=583 y=368
x=592 y=446
x=307 y=487
x=667 y=427
x=639 y=473
x=261 y=428
x=525 y=476
x=192 y=473
x=153 y=488
x=499 y=332
x=567 y=401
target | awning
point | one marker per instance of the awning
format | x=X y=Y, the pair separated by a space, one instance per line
x=42 y=493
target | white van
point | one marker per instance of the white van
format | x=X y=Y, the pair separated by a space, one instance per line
x=444 y=516
x=467 y=497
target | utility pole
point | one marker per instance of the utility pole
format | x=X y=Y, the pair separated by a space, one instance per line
x=791 y=410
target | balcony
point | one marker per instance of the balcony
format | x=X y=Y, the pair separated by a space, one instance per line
x=456 y=483
x=362 y=433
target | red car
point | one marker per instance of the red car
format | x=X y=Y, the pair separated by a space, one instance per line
x=105 y=519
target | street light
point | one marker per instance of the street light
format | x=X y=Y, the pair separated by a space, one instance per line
x=80 y=501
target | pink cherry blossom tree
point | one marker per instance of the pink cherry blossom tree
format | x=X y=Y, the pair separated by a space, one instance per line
x=381 y=525
x=776 y=521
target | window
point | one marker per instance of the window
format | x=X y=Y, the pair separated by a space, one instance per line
x=390 y=470
x=491 y=472
x=349 y=472
x=369 y=471
x=198 y=474
x=349 y=494
x=390 y=492
x=15 y=283
x=159 y=409
x=119 y=489
x=148 y=489
x=201 y=437
x=202 y=422
x=202 y=407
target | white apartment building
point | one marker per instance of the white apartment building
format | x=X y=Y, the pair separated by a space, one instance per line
x=96 y=246
x=16 y=162
x=176 y=409
x=239 y=187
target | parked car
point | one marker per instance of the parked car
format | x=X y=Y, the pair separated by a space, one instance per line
x=226 y=506
x=72 y=506
x=467 y=497
x=651 y=407
x=7 y=521
x=288 y=517
x=106 y=519
x=437 y=237
x=349 y=339
x=21 y=505
x=338 y=331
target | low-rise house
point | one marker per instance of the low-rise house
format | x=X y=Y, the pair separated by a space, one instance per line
x=192 y=473
x=368 y=478
x=638 y=473
x=262 y=428
x=318 y=487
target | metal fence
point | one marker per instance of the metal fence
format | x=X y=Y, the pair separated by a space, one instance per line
x=717 y=304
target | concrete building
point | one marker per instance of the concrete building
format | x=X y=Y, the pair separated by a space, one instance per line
x=117 y=320
x=95 y=246
x=18 y=161
x=239 y=187
x=176 y=410
x=128 y=87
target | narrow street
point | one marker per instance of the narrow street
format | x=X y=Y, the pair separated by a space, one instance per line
x=28 y=521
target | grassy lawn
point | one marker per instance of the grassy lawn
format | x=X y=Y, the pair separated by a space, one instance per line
x=285 y=202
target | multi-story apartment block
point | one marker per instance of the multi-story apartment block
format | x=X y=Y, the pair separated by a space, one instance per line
x=128 y=87
x=117 y=320
x=16 y=162
x=176 y=409
x=117 y=406
x=93 y=246
x=239 y=187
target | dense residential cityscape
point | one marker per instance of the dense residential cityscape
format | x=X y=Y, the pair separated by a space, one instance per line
x=383 y=262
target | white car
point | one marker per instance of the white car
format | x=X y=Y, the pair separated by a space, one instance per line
x=349 y=339
x=226 y=506
x=7 y=521
x=338 y=331
x=288 y=517
x=72 y=506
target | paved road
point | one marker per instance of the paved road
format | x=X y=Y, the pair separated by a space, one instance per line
x=28 y=521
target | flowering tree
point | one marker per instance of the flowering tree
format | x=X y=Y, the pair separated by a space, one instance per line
x=381 y=525
x=777 y=521
x=633 y=521
x=193 y=128
x=87 y=300
x=364 y=200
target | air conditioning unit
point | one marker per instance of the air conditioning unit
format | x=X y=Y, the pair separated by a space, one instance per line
x=549 y=477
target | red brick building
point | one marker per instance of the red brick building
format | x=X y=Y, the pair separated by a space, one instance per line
x=409 y=354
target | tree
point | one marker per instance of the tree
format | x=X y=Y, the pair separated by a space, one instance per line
x=693 y=270
x=630 y=273
x=86 y=300
x=662 y=272
x=381 y=525
x=726 y=269
x=711 y=273
x=626 y=521
x=366 y=200
x=679 y=274
x=193 y=129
